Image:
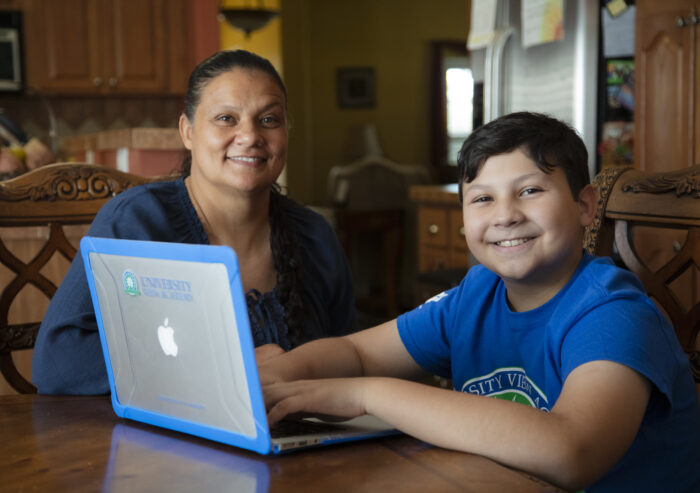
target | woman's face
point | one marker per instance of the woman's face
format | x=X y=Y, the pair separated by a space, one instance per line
x=238 y=137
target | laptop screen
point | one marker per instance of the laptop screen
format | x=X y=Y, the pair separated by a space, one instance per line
x=173 y=339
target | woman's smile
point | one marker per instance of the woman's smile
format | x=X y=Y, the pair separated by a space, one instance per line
x=247 y=160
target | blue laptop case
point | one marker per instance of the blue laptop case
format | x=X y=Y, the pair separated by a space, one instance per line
x=173 y=325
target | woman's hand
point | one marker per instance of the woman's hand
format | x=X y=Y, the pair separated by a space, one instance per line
x=264 y=355
x=267 y=351
x=341 y=397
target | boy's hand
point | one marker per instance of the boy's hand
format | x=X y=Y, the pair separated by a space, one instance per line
x=341 y=397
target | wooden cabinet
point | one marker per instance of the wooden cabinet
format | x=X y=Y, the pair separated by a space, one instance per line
x=443 y=256
x=106 y=46
x=440 y=231
x=667 y=113
x=667 y=84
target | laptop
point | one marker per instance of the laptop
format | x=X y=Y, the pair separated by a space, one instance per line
x=179 y=352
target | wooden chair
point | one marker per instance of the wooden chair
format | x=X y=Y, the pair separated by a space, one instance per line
x=650 y=223
x=46 y=199
x=370 y=200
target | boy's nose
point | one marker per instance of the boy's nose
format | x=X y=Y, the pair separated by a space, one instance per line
x=507 y=213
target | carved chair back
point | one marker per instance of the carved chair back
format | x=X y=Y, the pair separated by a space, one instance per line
x=650 y=224
x=371 y=215
x=46 y=199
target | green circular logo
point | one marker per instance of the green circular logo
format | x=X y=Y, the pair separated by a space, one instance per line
x=131 y=284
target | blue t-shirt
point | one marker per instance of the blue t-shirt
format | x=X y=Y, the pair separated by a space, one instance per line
x=470 y=334
x=67 y=355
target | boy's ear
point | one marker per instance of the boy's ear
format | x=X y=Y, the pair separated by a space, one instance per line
x=588 y=204
x=185 y=131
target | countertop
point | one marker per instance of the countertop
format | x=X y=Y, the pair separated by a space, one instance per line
x=132 y=138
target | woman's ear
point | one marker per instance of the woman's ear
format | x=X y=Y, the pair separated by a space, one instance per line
x=588 y=204
x=185 y=131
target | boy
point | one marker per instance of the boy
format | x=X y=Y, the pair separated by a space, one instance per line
x=610 y=403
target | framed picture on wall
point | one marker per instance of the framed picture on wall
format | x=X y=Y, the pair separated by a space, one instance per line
x=356 y=87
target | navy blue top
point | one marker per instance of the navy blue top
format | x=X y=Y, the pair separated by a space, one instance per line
x=67 y=355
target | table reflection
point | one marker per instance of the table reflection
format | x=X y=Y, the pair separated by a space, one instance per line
x=59 y=443
x=141 y=459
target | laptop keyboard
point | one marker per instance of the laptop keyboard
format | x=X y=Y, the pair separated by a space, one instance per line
x=289 y=428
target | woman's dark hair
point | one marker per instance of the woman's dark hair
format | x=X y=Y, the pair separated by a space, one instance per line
x=549 y=142
x=220 y=63
x=283 y=242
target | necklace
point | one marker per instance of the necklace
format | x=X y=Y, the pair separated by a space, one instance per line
x=199 y=211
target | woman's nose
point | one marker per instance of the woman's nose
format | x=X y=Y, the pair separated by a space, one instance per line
x=248 y=133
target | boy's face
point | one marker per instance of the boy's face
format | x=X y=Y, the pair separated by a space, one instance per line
x=524 y=224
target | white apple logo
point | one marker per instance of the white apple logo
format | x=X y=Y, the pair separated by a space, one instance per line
x=166 y=339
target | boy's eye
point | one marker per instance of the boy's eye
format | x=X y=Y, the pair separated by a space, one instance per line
x=480 y=199
x=530 y=191
x=225 y=118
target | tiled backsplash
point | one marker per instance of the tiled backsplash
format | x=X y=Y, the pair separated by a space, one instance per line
x=81 y=115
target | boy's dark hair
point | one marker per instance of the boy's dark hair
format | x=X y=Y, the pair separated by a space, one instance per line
x=550 y=143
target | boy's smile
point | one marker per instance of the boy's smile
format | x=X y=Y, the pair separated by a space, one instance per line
x=524 y=225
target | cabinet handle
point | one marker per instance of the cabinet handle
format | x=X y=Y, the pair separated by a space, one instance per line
x=461 y=231
x=113 y=82
x=691 y=20
x=97 y=81
x=433 y=229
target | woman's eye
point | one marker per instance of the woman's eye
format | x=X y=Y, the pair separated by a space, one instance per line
x=270 y=121
x=225 y=118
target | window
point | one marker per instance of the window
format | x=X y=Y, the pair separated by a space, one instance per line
x=452 y=107
x=459 y=88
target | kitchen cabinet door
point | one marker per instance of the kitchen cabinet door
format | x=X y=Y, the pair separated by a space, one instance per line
x=667 y=114
x=667 y=94
x=106 y=47
x=440 y=232
x=135 y=51
x=63 y=45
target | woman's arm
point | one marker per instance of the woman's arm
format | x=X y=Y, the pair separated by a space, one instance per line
x=67 y=354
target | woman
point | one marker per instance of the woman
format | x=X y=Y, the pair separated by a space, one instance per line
x=293 y=269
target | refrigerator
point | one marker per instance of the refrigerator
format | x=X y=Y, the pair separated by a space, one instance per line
x=560 y=78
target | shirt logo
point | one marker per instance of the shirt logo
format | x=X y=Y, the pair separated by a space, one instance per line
x=435 y=298
x=131 y=285
x=511 y=384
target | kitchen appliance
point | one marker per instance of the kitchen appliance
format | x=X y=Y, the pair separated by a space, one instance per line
x=561 y=78
x=11 y=51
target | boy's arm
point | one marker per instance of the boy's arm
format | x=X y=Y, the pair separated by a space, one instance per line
x=588 y=430
x=372 y=352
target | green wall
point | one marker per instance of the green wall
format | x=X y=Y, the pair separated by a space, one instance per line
x=393 y=36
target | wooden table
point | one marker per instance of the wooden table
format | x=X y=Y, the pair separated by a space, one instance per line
x=79 y=444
